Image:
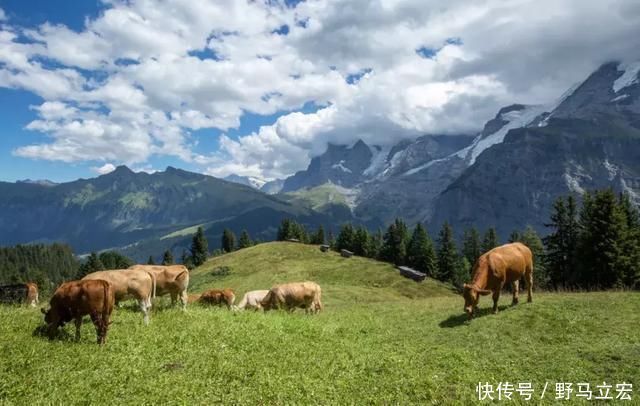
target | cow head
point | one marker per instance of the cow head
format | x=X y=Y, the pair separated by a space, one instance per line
x=52 y=320
x=268 y=302
x=471 y=296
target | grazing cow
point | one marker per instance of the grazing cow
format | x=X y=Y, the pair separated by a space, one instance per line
x=505 y=264
x=127 y=283
x=251 y=300
x=20 y=292
x=289 y=296
x=218 y=297
x=75 y=299
x=170 y=279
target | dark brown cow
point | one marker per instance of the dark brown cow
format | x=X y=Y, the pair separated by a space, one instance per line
x=218 y=297
x=290 y=296
x=505 y=264
x=19 y=293
x=75 y=299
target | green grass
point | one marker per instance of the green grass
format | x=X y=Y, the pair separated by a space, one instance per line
x=317 y=197
x=382 y=346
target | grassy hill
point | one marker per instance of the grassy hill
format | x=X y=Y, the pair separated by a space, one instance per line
x=382 y=339
x=344 y=281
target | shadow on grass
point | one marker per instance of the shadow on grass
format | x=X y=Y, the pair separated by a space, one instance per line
x=461 y=319
x=60 y=335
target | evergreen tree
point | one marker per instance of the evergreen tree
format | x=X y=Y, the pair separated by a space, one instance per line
x=150 y=261
x=515 y=236
x=331 y=240
x=462 y=273
x=167 y=258
x=245 y=240
x=490 y=240
x=531 y=239
x=318 y=237
x=186 y=260
x=228 y=243
x=420 y=252
x=561 y=244
x=602 y=226
x=93 y=264
x=629 y=260
x=447 y=254
x=361 y=242
x=345 y=238
x=395 y=241
x=376 y=244
x=471 y=248
x=114 y=260
x=284 y=230
x=199 y=248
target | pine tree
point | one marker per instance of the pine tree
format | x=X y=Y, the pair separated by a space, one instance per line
x=199 y=248
x=331 y=240
x=167 y=258
x=561 y=243
x=228 y=243
x=245 y=240
x=462 y=273
x=515 y=236
x=376 y=244
x=345 y=238
x=531 y=239
x=447 y=254
x=395 y=241
x=318 y=237
x=150 y=261
x=471 y=248
x=490 y=240
x=93 y=264
x=114 y=260
x=628 y=261
x=420 y=252
x=361 y=242
x=284 y=230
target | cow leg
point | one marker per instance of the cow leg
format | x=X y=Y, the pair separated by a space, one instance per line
x=78 y=322
x=145 y=310
x=529 y=283
x=184 y=298
x=516 y=287
x=174 y=299
x=97 y=322
x=496 y=296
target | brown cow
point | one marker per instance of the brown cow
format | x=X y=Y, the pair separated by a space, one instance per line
x=20 y=292
x=218 y=297
x=505 y=264
x=75 y=299
x=140 y=285
x=289 y=296
x=170 y=279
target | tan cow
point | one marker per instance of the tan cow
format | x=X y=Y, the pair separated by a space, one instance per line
x=19 y=293
x=75 y=299
x=505 y=264
x=218 y=297
x=170 y=279
x=252 y=299
x=130 y=283
x=290 y=296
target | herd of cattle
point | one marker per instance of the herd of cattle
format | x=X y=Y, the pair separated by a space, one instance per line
x=97 y=293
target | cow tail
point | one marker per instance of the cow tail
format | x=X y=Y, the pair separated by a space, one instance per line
x=107 y=304
x=152 y=294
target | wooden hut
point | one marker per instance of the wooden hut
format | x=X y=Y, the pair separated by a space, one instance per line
x=346 y=253
x=412 y=273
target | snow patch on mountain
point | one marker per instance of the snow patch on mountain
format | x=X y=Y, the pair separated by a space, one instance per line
x=378 y=160
x=618 y=98
x=629 y=77
x=252 y=181
x=612 y=170
x=340 y=165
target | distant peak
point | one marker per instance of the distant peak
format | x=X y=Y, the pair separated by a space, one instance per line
x=122 y=169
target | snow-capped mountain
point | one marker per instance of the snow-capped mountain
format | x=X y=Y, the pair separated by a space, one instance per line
x=252 y=181
x=436 y=178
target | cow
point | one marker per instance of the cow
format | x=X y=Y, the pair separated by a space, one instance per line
x=75 y=299
x=20 y=293
x=170 y=279
x=130 y=283
x=252 y=299
x=218 y=297
x=290 y=296
x=505 y=264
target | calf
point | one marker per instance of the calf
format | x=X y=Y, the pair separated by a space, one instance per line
x=20 y=293
x=170 y=279
x=289 y=296
x=218 y=297
x=505 y=264
x=126 y=283
x=251 y=300
x=75 y=299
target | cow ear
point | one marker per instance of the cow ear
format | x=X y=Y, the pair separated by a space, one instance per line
x=466 y=286
x=484 y=292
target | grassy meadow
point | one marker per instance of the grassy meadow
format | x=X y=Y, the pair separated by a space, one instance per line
x=381 y=339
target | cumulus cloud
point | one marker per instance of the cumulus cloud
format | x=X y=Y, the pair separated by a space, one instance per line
x=138 y=79
x=104 y=169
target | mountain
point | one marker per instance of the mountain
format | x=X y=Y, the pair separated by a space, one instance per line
x=252 y=181
x=146 y=212
x=42 y=182
x=508 y=174
x=273 y=186
x=590 y=140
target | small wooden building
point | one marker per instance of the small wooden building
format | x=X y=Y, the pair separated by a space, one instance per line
x=293 y=240
x=412 y=273
x=324 y=248
x=346 y=253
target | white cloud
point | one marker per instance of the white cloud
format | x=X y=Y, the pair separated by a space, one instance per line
x=137 y=79
x=104 y=169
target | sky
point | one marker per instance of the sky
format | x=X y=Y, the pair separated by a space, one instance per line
x=258 y=88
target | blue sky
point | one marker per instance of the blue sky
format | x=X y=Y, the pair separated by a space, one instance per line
x=260 y=87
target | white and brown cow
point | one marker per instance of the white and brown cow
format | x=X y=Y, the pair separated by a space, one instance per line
x=289 y=296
